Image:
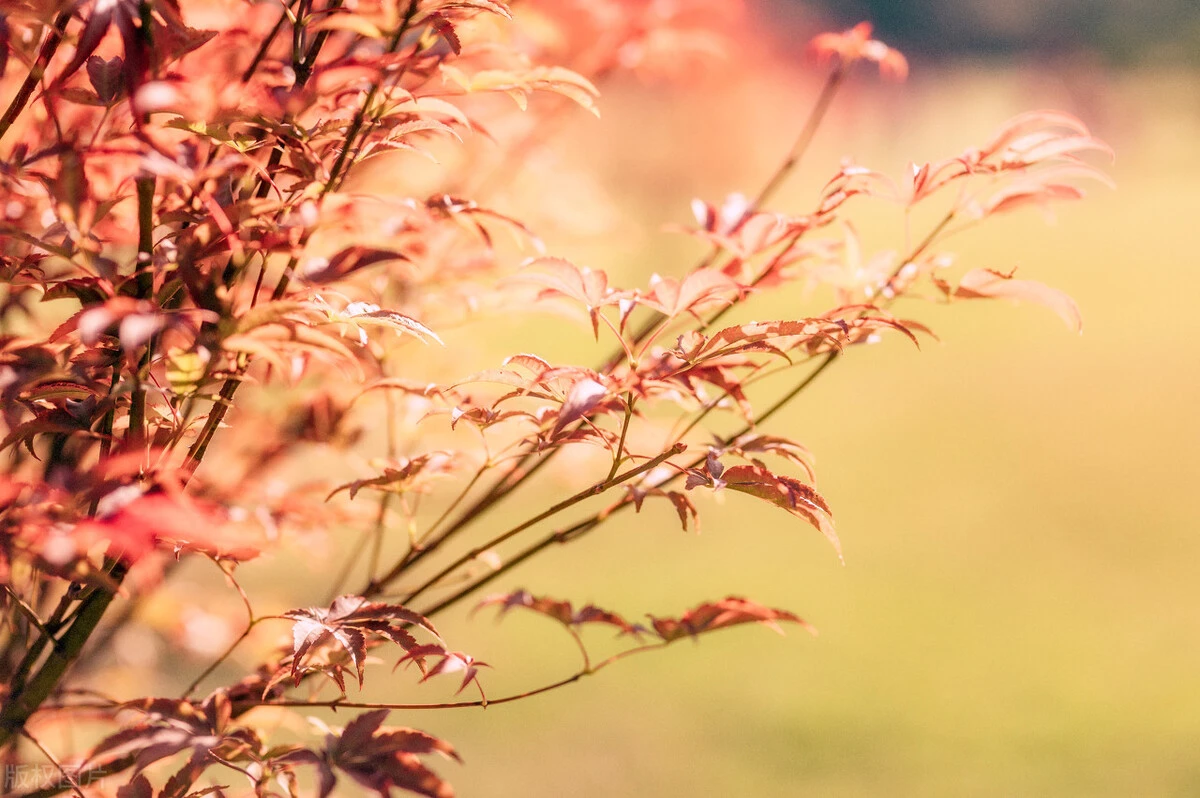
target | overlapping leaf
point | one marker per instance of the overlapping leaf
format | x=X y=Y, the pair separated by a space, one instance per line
x=349 y=625
x=785 y=492
x=204 y=731
x=377 y=757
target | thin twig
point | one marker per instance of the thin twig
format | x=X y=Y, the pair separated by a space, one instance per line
x=37 y=71
x=587 y=493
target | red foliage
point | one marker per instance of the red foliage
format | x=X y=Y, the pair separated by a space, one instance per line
x=209 y=324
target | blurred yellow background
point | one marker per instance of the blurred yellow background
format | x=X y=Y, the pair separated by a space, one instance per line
x=1019 y=613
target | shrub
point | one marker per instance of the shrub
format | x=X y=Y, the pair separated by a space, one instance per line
x=198 y=304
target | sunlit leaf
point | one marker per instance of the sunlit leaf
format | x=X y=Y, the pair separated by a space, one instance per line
x=985 y=283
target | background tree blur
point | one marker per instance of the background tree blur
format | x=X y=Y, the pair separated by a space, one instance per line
x=1121 y=32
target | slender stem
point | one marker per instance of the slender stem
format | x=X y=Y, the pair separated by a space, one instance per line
x=28 y=612
x=191 y=688
x=339 y=582
x=268 y=40
x=498 y=491
x=34 y=652
x=215 y=416
x=377 y=535
x=361 y=114
x=571 y=501
x=304 y=65
x=588 y=670
x=144 y=279
x=67 y=777
x=93 y=774
x=441 y=519
x=803 y=141
x=37 y=71
x=144 y=266
x=618 y=456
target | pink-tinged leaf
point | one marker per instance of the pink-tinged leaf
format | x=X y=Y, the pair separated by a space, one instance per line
x=446 y=30
x=755 y=332
x=383 y=758
x=856 y=44
x=134 y=523
x=347 y=261
x=562 y=278
x=685 y=509
x=581 y=400
x=532 y=363
x=561 y=611
x=409 y=475
x=171 y=727
x=701 y=289
x=139 y=787
x=94 y=28
x=395 y=321
x=682 y=504
x=448 y=662
x=351 y=624
x=787 y=493
x=749 y=444
x=1023 y=124
x=731 y=611
x=500 y=9
x=1019 y=196
x=986 y=283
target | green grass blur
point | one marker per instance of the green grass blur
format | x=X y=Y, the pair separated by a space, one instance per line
x=1019 y=613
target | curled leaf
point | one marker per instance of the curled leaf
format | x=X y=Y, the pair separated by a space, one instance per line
x=986 y=283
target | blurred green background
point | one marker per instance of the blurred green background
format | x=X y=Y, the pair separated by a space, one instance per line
x=1019 y=613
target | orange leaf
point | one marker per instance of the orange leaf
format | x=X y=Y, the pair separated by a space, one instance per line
x=986 y=283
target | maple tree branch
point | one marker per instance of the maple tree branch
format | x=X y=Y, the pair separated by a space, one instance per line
x=225 y=396
x=20 y=705
x=803 y=141
x=586 y=525
x=479 y=703
x=268 y=40
x=198 y=448
x=144 y=281
x=497 y=492
x=37 y=71
x=618 y=455
x=587 y=493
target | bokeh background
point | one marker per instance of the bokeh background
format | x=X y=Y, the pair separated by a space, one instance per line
x=1019 y=613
